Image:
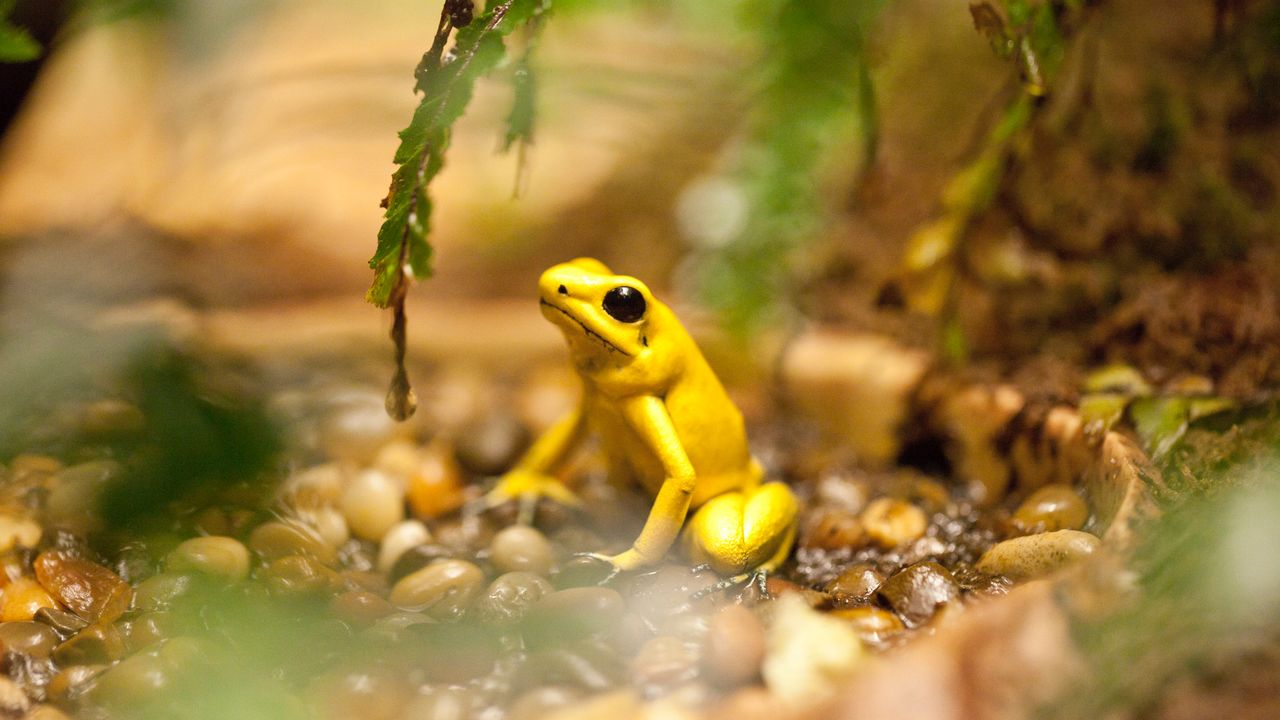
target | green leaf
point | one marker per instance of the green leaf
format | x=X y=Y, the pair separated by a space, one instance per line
x=1160 y=422
x=1103 y=410
x=1117 y=379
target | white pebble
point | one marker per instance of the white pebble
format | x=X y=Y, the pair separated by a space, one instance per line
x=401 y=537
x=328 y=523
x=16 y=532
x=372 y=503
x=808 y=652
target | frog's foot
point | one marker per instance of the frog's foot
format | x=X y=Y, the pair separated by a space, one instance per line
x=740 y=532
x=527 y=488
x=610 y=574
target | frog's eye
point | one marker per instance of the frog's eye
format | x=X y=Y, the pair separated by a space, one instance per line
x=624 y=303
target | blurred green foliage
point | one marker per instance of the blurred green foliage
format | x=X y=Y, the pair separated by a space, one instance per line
x=16 y=44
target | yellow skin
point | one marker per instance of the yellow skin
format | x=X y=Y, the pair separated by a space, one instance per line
x=664 y=421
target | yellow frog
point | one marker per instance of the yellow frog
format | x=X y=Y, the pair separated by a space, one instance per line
x=664 y=420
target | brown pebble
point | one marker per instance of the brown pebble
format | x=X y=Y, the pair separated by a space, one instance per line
x=64 y=623
x=571 y=614
x=435 y=485
x=521 y=547
x=214 y=556
x=298 y=575
x=112 y=418
x=131 y=681
x=22 y=598
x=1052 y=507
x=360 y=608
x=45 y=712
x=416 y=558
x=145 y=630
x=73 y=681
x=664 y=661
x=855 y=585
x=890 y=522
x=159 y=591
x=357 y=429
x=871 y=623
x=734 y=647
x=278 y=538
x=510 y=596
x=751 y=703
x=446 y=703
x=365 y=694
x=28 y=638
x=541 y=701
x=491 y=444
x=833 y=530
x=779 y=587
x=87 y=589
x=443 y=589
x=916 y=592
x=95 y=645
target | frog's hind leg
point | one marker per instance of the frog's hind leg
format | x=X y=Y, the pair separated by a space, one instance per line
x=744 y=530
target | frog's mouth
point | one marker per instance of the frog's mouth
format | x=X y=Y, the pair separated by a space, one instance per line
x=585 y=329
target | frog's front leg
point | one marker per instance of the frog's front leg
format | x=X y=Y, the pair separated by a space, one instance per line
x=647 y=415
x=532 y=477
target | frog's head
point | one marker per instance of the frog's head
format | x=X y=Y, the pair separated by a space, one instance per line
x=601 y=314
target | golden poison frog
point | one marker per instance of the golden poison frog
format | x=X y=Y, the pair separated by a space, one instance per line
x=664 y=421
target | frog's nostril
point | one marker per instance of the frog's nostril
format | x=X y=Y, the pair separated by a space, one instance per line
x=563 y=290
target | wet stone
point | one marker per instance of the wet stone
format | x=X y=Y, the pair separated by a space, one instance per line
x=356 y=430
x=132 y=681
x=278 y=538
x=509 y=597
x=854 y=585
x=871 y=623
x=835 y=529
x=446 y=703
x=213 y=556
x=45 y=712
x=159 y=592
x=541 y=701
x=372 y=503
x=491 y=444
x=95 y=645
x=916 y=592
x=443 y=589
x=22 y=599
x=1052 y=507
x=72 y=682
x=360 y=608
x=28 y=638
x=890 y=522
x=521 y=547
x=64 y=623
x=89 y=590
x=367 y=694
x=734 y=646
x=435 y=485
x=13 y=701
x=145 y=630
x=298 y=575
x=1035 y=555
x=567 y=615
x=584 y=664
x=664 y=661
x=398 y=540
x=416 y=558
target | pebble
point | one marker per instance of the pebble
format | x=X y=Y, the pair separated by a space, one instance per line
x=314 y=487
x=298 y=575
x=435 y=485
x=98 y=644
x=1052 y=507
x=521 y=547
x=356 y=430
x=416 y=558
x=890 y=522
x=89 y=590
x=145 y=630
x=279 y=538
x=74 y=491
x=133 y=680
x=328 y=523
x=64 y=623
x=399 y=539
x=734 y=646
x=71 y=682
x=835 y=529
x=443 y=589
x=159 y=591
x=446 y=703
x=45 y=712
x=22 y=599
x=13 y=701
x=917 y=591
x=360 y=607
x=215 y=556
x=509 y=597
x=540 y=702
x=112 y=418
x=18 y=533
x=491 y=444
x=855 y=584
x=585 y=664
x=571 y=614
x=871 y=623
x=398 y=458
x=372 y=502
x=807 y=653
x=1034 y=555
x=664 y=661
x=28 y=638
x=839 y=492
x=360 y=693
